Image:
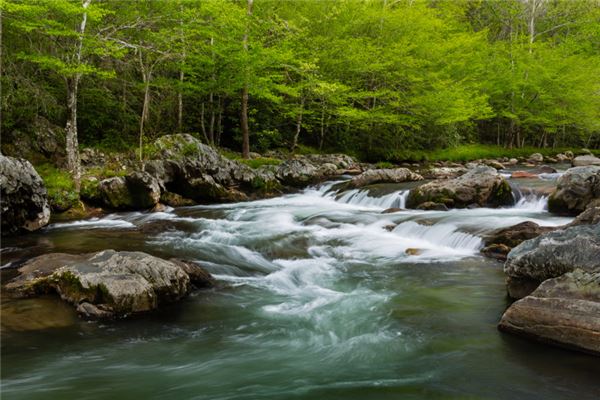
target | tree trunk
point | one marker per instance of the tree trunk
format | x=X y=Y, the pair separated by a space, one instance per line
x=72 y=144
x=211 y=126
x=244 y=110
x=145 y=112
x=220 y=121
x=298 y=125
x=180 y=104
x=322 y=134
x=202 y=125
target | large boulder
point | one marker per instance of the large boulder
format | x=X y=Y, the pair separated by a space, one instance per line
x=482 y=186
x=564 y=311
x=138 y=190
x=443 y=172
x=390 y=175
x=23 y=197
x=582 y=161
x=187 y=167
x=552 y=255
x=107 y=283
x=575 y=189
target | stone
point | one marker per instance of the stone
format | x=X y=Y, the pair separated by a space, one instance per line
x=575 y=189
x=563 y=311
x=108 y=283
x=443 y=172
x=589 y=216
x=392 y=210
x=413 y=252
x=494 y=164
x=391 y=175
x=514 y=235
x=298 y=172
x=582 y=161
x=497 y=251
x=23 y=197
x=139 y=190
x=481 y=185
x=536 y=158
x=551 y=255
x=185 y=166
x=431 y=206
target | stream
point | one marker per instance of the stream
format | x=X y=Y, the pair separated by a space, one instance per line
x=317 y=299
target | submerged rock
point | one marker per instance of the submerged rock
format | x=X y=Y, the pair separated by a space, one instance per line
x=482 y=185
x=551 y=255
x=391 y=175
x=564 y=311
x=23 y=197
x=107 y=283
x=575 y=189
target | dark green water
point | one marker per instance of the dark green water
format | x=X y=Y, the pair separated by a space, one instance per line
x=317 y=300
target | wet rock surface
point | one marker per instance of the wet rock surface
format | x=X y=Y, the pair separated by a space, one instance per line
x=575 y=190
x=23 y=197
x=482 y=185
x=108 y=283
x=564 y=311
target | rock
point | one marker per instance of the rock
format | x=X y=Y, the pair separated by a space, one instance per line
x=159 y=207
x=92 y=157
x=497 y=251
x=430 y=205
x=590 y=216
x=569 y=154
x=494 y=164
x=564 y=311
x=582 y=161
x=575 y=189
x=298 y=172
x=107 y=283
x=482 y=185
x=395 y=175
x=139 y=190
x=392 y=210
x=536 y=158
x=516 y=234
x=551 y=255
x=513 y=161
x=444 y=172
x=199 y=277
x=560 y=157
x=175 y=200
x=413 y=252
x=23 y=197
x=90 y=311
x=193 y=170
x=544 y=169
x=523 y=175
x=341 y=161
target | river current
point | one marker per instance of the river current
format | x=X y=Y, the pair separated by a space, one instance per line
x=317 y=299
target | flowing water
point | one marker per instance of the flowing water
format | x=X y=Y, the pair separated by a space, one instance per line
x=317 y=299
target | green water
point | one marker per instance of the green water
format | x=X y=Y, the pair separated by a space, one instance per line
x=316 y=300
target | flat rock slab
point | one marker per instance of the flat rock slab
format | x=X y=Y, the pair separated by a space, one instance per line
x=109 y=283
x=564 y=311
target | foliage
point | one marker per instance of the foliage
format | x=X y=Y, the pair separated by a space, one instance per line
x=60 y=187
x=379 y=79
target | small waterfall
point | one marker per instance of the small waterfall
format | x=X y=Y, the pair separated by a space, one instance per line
x=532 y=202
x=441 y=235
x=361 y=198
x=527 y=199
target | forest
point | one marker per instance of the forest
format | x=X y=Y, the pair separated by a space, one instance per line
x=369 y=78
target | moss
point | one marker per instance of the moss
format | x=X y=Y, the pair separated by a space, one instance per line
x=189 y=149
x=384 y=165
x=90 y=191
x=60 y=187
x=501 y=194
x=259 y=162
x=260 y=185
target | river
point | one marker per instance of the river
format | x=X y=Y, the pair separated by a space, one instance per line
x=317 y=299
